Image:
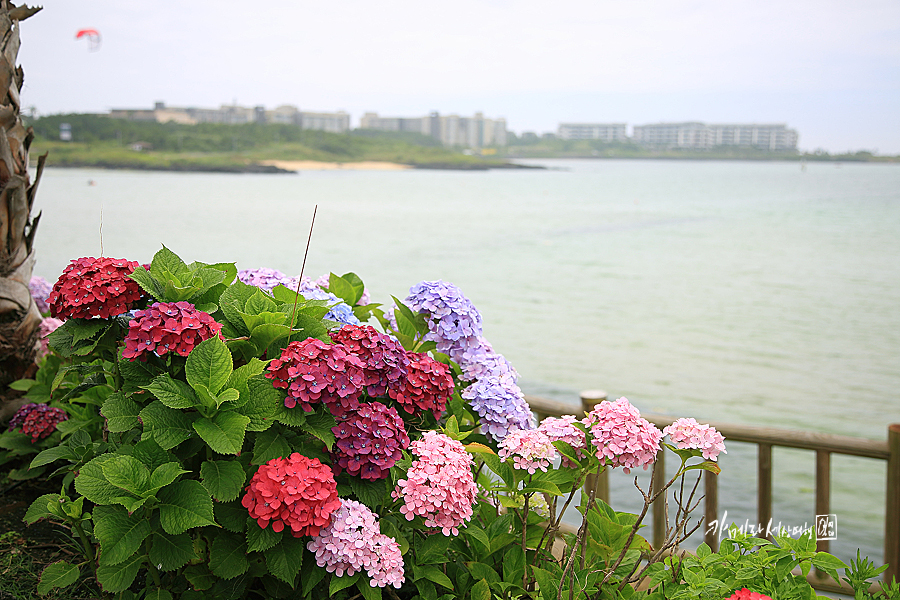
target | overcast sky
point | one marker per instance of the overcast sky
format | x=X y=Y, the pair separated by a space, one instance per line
x=828 y=68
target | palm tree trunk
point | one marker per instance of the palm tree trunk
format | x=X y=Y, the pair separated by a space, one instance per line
x=19 y=317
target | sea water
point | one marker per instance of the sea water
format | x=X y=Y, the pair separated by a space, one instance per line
x=757 y=293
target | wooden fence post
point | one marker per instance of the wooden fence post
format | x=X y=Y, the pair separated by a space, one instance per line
x=764 y=488
x=892 y=506
x=588 y=399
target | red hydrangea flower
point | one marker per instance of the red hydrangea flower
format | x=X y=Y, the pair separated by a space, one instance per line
x=37 y=420
x=92 y=287
x=427 y=385
x=168 y=327
x=383 y=356
x=368 y=441
x=295 y=492
x=745 y=594
x=313 y=371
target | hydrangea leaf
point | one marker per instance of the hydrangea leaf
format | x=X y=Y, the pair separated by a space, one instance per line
x=169 y=427
x=148 y=283
x=259 y=539
x=371 y=493
x=158 y=594
x=120 y=534
x=432 y=573
x=184 y=505
x=239 y=377
x=265 y=334
x=53 y=454
x=38 y=509
x=172 y=392
x=122 y=413
x=343 y=289
x=135 y=372
x=293 y=417
x=170 y=552
x=231 y=515
x=259 y=303
x=340 y=583
x=432 y=550
x=117 y=578
x=151 y=454
x=514 y=564
x=57 y=575
x=319 y=424
x=228 y=556
x=224 y=432
x=232 y=302
x=285 y=559
x=262 y=402
x=229 y=395
x=166 y=261
x=270 y=444
x=310 y=576
x=223 y=478
x=162 y=476
x=482 y=590
x=126 y=472
x=367 y=591
x=87 y=329
x=209 y=364
x=92 y=483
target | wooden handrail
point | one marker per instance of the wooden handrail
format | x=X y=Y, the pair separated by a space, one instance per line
x=823 y=444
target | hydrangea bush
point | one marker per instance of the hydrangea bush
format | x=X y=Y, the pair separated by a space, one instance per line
x=243 y=434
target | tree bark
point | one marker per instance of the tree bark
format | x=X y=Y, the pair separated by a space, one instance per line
x=19 y=317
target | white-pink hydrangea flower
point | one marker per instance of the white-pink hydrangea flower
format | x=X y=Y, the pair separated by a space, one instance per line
x=622 y=435
x=562 y=429
x=48 y=326
x=439 y=486
x=352 y=542
x=530 y=449
x=687 y=434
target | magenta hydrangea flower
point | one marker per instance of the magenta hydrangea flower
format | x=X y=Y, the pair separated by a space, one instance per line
x=37 y=420
x=530 y=449
x=563 y=429
x=166 y=327
x=384 y=358
x=428 y=385
x=40 y=290
x=439 y=486
x=312 y=371
x=352 y=542
x=295 y=492
x=48 y=326
x=368 y=441
x=687 y=434
x=92 y=287
x=622 y=436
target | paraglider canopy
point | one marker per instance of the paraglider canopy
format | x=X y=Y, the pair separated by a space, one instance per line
x=92 y=35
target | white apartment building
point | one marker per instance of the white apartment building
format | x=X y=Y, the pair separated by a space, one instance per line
x=702 y=136
x=451 y=130
x=607 y=132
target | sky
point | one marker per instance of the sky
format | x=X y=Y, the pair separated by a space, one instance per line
x=828 y=68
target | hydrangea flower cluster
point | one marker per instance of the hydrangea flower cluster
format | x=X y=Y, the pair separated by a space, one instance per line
x=91 y=287
x=313 y=371
x=264 y=278
x=368 y=441
x=428 y=385
x=530 y=449
x=166 y=327
x=497 y=399
x=687 y=434
x=563 y=429
x=454 y=322
x=352 y=542
x=268 y=279
x=295 y=492
x=439 y=486
x=340 y=311
x=40 y=291
x=48 y=325
x=622 y=435
x=745 y=594
x=37 y=420
x=384 y=358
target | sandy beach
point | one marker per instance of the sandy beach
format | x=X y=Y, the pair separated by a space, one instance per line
x=313 y=165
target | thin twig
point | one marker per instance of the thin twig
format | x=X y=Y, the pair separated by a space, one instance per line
x=303 y=267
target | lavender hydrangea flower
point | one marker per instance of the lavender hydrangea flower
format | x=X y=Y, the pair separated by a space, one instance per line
x=501 y=406
x=454 y=322
x=40 y=290
x=265 y=279
x=268 y=279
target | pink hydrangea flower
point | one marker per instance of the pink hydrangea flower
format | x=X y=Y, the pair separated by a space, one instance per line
x=352 y=542
x=439 y=486
x=384 y=358
x=427 y=385
x=687 y=434
x=168 y=327
x=530 y=449
x=563 y=429
x=91 y=287
x=37 y=420
x=622 y=436
x=745 y=594
x=48 y=326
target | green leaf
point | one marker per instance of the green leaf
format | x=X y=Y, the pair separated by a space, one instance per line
x=120 y=534
x=151 y=454
x=117 y=578
x=319 y=424
x=433 y=574
x=432 y=549
x=481 y=590
x=22 y=385
x=270 y=444
x=367 y=591
x=262 y=402
x=544 y=487
x=199 y=577
x=162 y=476
x=514 y=564
x=343 y=289
x=169 y=427
x=474 y=531
x=708 y=465
x=170 y=552
x=38 y=509
x=224 y=432
x=121 y=413
x=285 y=559
x=87 y=329
x=231 y=515
x=92 y=483
x=57 y=575
x=148 y=283
x=232 y=302
x=209 y=364
x=167 y=262
x=265 y=334
x=222 y=478
x=53 y=454
x=371 y=493
x=227 y=395
x=259 y=539
x=228 y=556
x=158 y=594
x=135 y=372
x=126 y=472
x=239 y=377
x=184 y=505
x=172 y=393
x=340 y=583
x=310 y=576
x=548 y=584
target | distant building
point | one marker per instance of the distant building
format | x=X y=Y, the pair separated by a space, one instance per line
x=450 y=130
x=701 y=136
x=338 y=122
x=606 y=132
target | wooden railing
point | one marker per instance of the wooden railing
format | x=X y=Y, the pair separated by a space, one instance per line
x=824 y=445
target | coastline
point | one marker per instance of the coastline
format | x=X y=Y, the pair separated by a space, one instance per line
x=316 y=165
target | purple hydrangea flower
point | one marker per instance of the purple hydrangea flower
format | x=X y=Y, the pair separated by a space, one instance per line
x=268 y=279
x=453 y=319
x=40 y=291
x=265 y=279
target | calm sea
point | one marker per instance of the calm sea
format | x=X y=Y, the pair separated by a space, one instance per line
x=753 y=293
